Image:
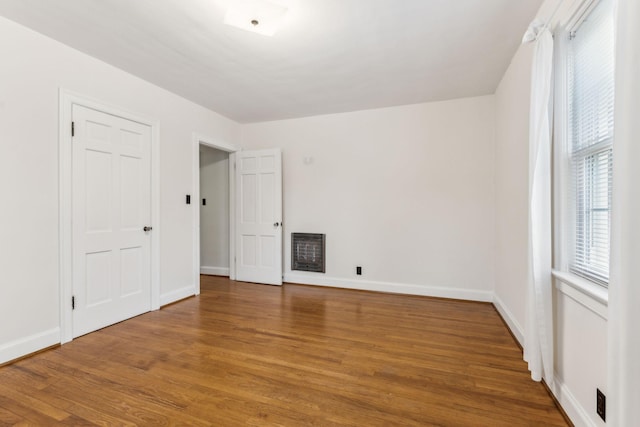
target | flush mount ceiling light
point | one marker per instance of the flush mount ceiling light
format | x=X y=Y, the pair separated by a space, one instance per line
x=257 y=16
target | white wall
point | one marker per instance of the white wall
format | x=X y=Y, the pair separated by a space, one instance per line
x=214 y=216
x=405 y=192
x=581 y=356
x=580 y=332
x=512 y=188
x=33 y=69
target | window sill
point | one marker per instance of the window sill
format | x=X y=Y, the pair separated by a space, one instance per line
x=592 y=296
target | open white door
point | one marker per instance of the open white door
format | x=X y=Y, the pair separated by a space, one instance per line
x=111 y=219
x=258 y=179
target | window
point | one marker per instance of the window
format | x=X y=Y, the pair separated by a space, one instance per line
x=590 y=140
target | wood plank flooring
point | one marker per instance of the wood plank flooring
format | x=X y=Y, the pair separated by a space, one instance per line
x=258 y=355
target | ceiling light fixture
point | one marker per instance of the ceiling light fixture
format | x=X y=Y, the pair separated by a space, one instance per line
x=257 y=16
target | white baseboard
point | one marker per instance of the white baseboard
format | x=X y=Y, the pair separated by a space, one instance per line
x=27 y=345
x=509 y=318
x=177 y=295
x=395 y=288
x=215 y=271
x=576 y=412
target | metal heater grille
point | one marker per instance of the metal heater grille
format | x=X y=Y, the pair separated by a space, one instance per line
x=307 y=252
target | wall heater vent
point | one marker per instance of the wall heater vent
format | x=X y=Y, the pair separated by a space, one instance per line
x=307 y=252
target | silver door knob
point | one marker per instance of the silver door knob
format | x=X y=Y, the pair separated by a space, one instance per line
x=275 y=224
x=147 y=228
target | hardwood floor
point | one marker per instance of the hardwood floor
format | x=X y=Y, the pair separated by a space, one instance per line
x=258 y=355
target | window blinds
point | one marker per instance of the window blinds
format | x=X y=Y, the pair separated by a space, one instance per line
x=591 y=107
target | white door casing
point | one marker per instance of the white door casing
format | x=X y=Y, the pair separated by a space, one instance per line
x=258 y=180
x=111 y=203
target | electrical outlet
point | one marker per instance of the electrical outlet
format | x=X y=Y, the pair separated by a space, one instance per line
x=359 y=271
x=601 y=404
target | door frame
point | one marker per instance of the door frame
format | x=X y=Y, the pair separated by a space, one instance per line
x=198 y=139
x=65 y=181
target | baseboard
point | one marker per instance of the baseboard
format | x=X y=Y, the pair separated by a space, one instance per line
x=27 y=345
x=215 y=271
x=574 y=410
x=510 y=319
x=177 y=295
x=576 y=413
x=395 y=288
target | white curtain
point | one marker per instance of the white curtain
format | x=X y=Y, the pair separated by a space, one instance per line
x=538 y=340
x=623 y=398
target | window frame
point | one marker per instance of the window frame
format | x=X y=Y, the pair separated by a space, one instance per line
x=564 y=205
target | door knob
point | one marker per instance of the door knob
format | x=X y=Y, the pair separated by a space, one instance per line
x=147 y=228
x=275 y=224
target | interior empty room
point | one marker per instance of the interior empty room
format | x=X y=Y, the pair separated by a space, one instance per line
x=319 y=212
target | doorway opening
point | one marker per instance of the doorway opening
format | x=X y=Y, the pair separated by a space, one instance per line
x=254 y=226
x=214 y=203
x=218 y=211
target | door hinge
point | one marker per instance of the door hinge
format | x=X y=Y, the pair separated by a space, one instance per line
x=73 y=303
x=73 y=129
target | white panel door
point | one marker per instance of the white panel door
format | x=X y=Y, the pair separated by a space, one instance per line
x=259 y=216
x=111 y=208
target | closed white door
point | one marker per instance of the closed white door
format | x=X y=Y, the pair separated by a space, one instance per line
x=111 y=208
x=259 y=216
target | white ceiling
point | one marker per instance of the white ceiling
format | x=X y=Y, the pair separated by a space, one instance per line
x=329 y=55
